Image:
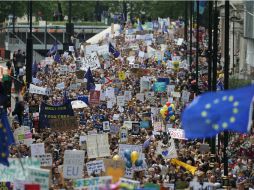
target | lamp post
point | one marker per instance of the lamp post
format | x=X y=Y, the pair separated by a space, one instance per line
x=29 y=48
x=197 y=46
x=191 y=12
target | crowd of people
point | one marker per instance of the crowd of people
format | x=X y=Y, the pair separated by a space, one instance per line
x=144 y=55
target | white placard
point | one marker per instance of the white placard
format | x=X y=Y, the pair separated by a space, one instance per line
x=63 y=69
x=176 y=94
x=179 y=41
x=120 y=100
x=123 y=133
x=140 y=97
x=71 y=48
x=103 y=50
x=128 y=124
x=46 y=159
x=37 y=149
x=127 y=95
x=176 y=133
x=91 y=48
x=106 y=126
x=135 y=184
x=39 y=176
x=130 y=38
x=73 y=164
x=72 y=68
x=170 y=88
x=95 y=167
x=39 y=90
x=141 y=54
x=90 y=60
x=167 y=151
x=185 y=96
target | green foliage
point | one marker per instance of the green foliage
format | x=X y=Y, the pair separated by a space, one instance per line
x=238 y=83
x=7 y=8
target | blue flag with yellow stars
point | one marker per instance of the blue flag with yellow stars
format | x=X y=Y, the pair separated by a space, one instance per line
x=6 y=139
x=212 y=113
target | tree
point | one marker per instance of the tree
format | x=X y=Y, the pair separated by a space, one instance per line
x=7 y=9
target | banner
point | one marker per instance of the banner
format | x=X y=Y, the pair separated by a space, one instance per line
x=90 y=60
x=73 y=164
x=39 y=90
x=95 y=167
x=133 y=183
x=94 y=97
x=92 y=183
x=48 y=112
x=64 y=124
x=15 y=171
x=39 y=176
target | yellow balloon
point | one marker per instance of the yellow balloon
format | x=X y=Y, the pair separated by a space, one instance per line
x=116 y=157
x=134 y=156
x=172 y=118
x=165 y=107
x=173 y=106
x=162 y=111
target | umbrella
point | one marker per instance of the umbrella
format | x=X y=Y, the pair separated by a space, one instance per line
x=77 y=104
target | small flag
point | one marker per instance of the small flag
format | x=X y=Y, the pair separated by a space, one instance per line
x=212 y=113
x=57 y=57
x=90 y=81
x=164 y=28
x=34 y=69
x=53 y=49
x=113 y=50
x=6 y=139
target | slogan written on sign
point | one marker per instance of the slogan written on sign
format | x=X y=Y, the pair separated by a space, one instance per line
x=73 y=164
x=176 y=133
x=92 y=183
x=45 y=159
x=39 y=90
x=95 y=167
x=39 y=176
x=91 y=60
x=94 y=97
x=64 y=124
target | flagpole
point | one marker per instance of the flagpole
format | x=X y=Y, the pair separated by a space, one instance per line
x=226 y=78
x=191 y=12
x=197 y=46
x=210 y=37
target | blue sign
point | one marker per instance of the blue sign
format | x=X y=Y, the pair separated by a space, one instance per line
x=160 y=87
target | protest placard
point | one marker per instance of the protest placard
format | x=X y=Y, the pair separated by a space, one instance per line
x=114 y=168
x=63 y=69
x=106 y=126
x=73 y=164
x=176 y=133
x=120 y=100
x=176 y=94
x=45 y=159
x=103 y=50
x=167 y=150
x=63 y=124
x=37 y=149
x=90 y=60
x=91 y=48
x=39 y=90
x=140 y=97
x=127 y=95
x=123 y=133
x=160 y=87
x=94 y=97
x=95 y=167
x=185 y=96
x=92 y=183
x=133 y=183
x=40 y=176
x=15 y=171
x=128 y=124
x=22 y=134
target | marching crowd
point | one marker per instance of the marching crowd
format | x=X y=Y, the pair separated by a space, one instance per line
x=160 y=56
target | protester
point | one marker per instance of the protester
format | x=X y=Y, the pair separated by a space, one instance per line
x=127 y=89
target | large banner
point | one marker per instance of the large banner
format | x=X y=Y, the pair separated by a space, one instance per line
x=53 y=116
x=39 y=90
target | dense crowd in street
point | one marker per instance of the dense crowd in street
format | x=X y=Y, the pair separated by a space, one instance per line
x=128 y=79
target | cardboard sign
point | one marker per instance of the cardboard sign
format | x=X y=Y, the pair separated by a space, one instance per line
x=157 y=126
x=140 y=97
x=135 y=128
x=92 y=61
x=72 y=68
x=45 y=159
x=37 y=149
x=15 y=171
x=40 y=176
x=185 y=96
x=73 y=164
x=92 y=183
x=63 y=70
x=103 y=50
x=128 y=124
x=176 y=133
x=176 y=94
x=95 y=167
x=127 y=95
x=114 y=168
x=94 y=97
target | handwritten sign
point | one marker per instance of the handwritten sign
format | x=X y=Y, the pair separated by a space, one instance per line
x=133 y=183
x=45 y=159
x=39 y=90
x=37 y=149
x=176 y=133
x=94 y=97
x=73 y=164
x=90 y=60
x=95 y=167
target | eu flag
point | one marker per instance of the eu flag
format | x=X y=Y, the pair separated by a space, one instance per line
x=6 y=139
x=57 y=57
x=212 y=113
x=53 y=49
x=113 y=50
x=90 y=81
